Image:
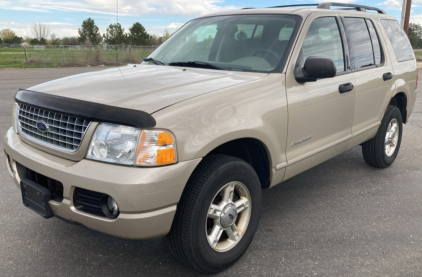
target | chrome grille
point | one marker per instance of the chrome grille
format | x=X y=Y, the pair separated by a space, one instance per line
x=65 y=132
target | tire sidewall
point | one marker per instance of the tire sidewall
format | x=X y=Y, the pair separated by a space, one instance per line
x=392 y=112
x=210 y=259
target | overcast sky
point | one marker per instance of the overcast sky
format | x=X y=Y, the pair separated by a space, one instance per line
x=65 y=16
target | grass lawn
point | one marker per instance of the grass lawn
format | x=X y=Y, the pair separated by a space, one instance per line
x=14 y=57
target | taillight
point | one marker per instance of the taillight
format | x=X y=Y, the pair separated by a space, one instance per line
x=417 y=78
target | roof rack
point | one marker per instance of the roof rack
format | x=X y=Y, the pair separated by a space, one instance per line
x=296 y=5
x=286 y=6
x=360 y=8
x=328 y=5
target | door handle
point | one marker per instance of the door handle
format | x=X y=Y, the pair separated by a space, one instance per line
x=387 y=76
x=345 y=87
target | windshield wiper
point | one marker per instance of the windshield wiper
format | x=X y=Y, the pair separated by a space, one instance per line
x=198 y=64
x=152 y=60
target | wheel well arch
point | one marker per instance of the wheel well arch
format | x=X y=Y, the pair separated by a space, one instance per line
x=252 y=151
x=400 y=101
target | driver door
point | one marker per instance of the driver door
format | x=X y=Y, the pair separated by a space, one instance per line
x=320 y=117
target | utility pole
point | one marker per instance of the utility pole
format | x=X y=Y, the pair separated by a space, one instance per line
x=117 y=11
x=405 y=14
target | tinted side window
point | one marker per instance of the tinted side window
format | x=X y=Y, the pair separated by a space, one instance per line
x=375 y=41
x=360 y=43
x=398 y=40
x=323 y=39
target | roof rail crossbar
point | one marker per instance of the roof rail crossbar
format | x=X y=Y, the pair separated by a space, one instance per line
x=361 y=8
x=296 y=5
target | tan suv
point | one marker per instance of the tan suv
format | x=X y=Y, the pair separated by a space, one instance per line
x=232 y=103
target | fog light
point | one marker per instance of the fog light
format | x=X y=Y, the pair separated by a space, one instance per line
x=109 y=206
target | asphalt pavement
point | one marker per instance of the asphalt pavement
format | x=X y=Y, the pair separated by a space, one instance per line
x=341 y=218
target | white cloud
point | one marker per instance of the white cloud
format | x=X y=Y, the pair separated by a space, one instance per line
x=391 y=4
x=188 y=8
x=175 y=25
x=159 y=30
x=416 y=19
x=185 y=8
x=24 y=29
x=58 y=23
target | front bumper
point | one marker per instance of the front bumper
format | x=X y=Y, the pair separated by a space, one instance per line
x=147 y=197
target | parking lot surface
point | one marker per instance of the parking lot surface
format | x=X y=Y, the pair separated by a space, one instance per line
x=341 y=218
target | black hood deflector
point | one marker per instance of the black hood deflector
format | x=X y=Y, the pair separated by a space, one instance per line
x=87 y=110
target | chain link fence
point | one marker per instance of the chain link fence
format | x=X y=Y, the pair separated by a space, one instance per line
x=78 y=55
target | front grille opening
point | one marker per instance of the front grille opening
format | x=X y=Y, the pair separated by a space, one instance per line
x=54 y=186
x=63 y=132
x=91 y=202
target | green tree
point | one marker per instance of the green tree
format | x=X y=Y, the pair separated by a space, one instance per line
x=65 y=41
x=154 y=40
x=73 y=41
x=54 y=40
x=43 y=41
x=415 y=35
x=1 y=41
x=115 y=35
x=35 y=41
x=138 y=35
x=27 y=39
x=7 y=35
x=17 y=40
x=166 y=35
x=89 y=32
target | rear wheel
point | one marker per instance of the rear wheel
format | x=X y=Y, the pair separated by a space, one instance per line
x=382 y=150
x=218 y=214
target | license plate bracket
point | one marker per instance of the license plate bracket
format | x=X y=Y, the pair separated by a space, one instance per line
x=35 y=197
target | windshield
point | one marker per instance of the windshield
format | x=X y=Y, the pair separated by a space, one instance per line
x=257 y=43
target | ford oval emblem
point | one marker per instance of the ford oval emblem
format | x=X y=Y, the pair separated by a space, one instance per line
x=42 y=126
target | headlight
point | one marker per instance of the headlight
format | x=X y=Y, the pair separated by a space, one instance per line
x=131 y=146
x=15 y=118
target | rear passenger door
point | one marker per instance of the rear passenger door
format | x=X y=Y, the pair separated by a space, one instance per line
x=374 y=76
x=320 y=117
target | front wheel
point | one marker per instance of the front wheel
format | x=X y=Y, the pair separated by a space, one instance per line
x=382 y=150
x=218 y=214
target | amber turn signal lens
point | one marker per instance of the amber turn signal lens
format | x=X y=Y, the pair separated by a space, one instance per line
x=164 y=139
x=165 y=156
x=156 y=148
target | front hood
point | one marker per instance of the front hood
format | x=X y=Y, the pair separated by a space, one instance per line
x=145 y=87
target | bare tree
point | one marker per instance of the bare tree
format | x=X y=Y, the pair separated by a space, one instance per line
x=40 y=30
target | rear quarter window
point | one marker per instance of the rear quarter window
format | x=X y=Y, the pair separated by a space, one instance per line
x=398 y=39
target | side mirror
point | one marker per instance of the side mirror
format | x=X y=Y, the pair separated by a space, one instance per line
x=315 y=68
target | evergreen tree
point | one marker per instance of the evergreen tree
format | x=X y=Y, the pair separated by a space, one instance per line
x=115 y=35
x=89 y=32
x=138 y=35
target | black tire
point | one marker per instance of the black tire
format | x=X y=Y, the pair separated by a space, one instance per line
x=373 y=150
x=188 y=239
